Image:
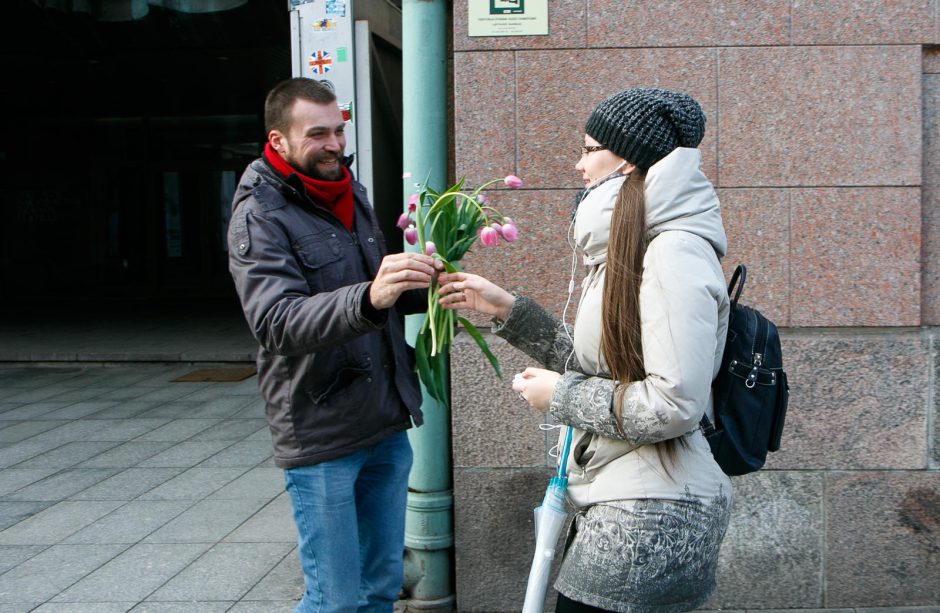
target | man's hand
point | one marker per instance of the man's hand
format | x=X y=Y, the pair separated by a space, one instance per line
x=399 y=273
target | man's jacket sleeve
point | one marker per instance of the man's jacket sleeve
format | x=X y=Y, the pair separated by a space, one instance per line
x=275 y=296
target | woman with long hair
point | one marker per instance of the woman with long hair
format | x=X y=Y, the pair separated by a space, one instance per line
x=633 y=376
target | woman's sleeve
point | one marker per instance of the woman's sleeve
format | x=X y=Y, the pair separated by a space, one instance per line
x=539 y=334
x=679 y=320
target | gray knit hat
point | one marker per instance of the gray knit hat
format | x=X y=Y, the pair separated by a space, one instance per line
x=644 y=125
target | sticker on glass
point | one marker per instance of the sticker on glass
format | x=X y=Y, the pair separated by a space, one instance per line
x=324 y=25
x=320 y=62
x=336 y=7
x=346 y=110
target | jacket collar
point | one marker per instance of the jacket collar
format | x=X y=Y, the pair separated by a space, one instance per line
x=678 y=197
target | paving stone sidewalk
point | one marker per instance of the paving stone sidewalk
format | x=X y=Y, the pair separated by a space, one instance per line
x=121 y=490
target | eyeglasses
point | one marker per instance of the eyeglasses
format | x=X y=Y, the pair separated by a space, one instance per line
x=586 y=149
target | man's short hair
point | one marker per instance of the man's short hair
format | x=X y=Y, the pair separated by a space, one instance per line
x=281 y=98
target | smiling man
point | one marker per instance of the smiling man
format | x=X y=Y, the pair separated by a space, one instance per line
x=325 y=302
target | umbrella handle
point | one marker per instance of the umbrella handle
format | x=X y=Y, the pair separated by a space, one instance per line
x=566 y=448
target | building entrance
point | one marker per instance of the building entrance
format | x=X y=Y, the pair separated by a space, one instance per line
x=126 y=127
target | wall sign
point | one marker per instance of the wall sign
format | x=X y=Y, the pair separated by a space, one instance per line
x=507 y=17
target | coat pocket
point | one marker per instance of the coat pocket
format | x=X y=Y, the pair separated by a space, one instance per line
x=321 y=258
x=347 y=384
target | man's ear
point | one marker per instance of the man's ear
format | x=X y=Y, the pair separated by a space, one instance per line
x=277 y=141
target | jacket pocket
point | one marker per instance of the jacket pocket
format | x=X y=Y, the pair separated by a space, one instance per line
x=321 y=257
x=349 y=384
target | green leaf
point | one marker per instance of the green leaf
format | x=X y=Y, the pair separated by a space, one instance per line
x=456 y=187
x=475 y=334
x=423 y=366
x=460 y=248
x=440 y=369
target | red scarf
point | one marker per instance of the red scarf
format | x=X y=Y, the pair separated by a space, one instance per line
x=335 y=196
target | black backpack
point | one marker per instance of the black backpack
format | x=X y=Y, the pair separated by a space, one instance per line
x=750 y=391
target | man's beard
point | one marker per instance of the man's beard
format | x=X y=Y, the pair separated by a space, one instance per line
x=311 y=170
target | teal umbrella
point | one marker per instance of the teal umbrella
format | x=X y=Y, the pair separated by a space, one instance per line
x=549 y=521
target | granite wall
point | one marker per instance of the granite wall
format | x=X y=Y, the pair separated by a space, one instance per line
x=823 y=139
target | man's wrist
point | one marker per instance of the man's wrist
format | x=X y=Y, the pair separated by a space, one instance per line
x=369 y=310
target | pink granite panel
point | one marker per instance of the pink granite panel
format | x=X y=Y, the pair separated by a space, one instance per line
x=862 y=22
x=566 y=27
x=553 y=106
x=930 y=296
x=855 y=257
x=930 y=201
x=776 y=522
x=491 y=425
x=883 y=539
x=804 y=116
x=484 y=115
x=538 y=264
x=687 y=23
x=757 y=222
x=494 y=537
x=857 y=401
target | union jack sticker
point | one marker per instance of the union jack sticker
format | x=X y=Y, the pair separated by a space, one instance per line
x=320 y=62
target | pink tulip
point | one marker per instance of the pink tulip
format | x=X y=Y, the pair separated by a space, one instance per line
x=430 y=248
x=482 y=199
x=508 y=220
x=403 y=221
x=497 y=227
x=510 y=232
x=489 y=237
x=412 y=203
x=513 y=182
x=411 y=235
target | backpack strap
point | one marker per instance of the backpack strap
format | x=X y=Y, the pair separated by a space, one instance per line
x=735 y=287
x=740 y=274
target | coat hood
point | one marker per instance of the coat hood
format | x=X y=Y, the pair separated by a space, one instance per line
x=678 y=197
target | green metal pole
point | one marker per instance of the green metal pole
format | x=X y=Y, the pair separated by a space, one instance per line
x=429 y=518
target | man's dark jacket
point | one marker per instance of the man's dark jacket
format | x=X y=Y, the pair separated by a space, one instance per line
x=335 y=373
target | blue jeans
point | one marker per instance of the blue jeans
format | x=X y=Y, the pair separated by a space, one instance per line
x=350 y=516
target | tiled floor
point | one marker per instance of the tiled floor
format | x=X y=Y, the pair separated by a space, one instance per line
x=121 y=490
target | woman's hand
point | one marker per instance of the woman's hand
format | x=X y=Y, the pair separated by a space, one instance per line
x=536 y=386
x=460 y=290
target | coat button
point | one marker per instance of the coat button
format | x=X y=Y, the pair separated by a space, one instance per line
x=371 y=240
x=369 y=380
x=242 y=248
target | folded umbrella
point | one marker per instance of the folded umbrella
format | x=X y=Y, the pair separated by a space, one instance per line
x=549 y=521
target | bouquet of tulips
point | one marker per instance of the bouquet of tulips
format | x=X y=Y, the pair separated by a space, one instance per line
x=445 y=225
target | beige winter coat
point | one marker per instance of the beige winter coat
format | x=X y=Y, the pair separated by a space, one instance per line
x=684 y=316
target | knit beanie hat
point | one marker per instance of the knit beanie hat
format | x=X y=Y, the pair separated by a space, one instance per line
x=644 y=125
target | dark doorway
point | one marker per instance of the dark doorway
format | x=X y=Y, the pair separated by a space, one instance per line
x=120 y=146
x=121 y=142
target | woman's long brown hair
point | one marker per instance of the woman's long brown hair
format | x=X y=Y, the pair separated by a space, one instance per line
x=621 y=343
